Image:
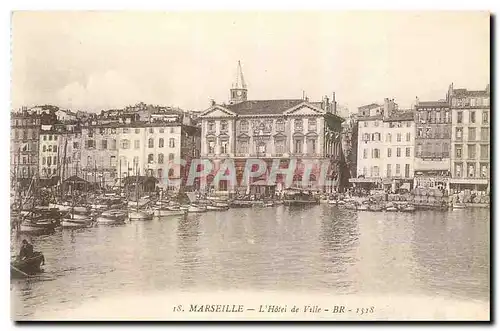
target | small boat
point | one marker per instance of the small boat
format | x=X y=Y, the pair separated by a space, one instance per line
x=77 y=223
x=169 y=211
x=40 y=226
x=218 y=208
x=363 y=207
x=408 y=208
x=459 y=206
x=241 y=204
x=268 y=204
x=391 y=207
x=375 y=207
x=196 y=209
x=138 y=215
x=111 y=217
x=351 y=206
x=27 y=267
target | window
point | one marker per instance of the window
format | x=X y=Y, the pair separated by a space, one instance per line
x=297 y=146
x=458 y=151
x=446 y=150
x=398 y=137
x=104 y=144
x=211 y=147
x=408 y=136
x=223 y=147
x=472 y=116
x=150 y=158
x=398 y=152
x=388 y=138
x=137 y=144
x=298 y=124
x=389 y=152
x=261 y=149
x=471 y=151
x=160 y=158
x=161 y=143
x=112 y=161
x=420 y=132
x=485 y=152
x=90 y=144
x=26 y=135
x=407 y=171
x=280 y=125
x=398 y=169
x=244 y=126
x=376 y=153
x=151 y=130
x=486 y=118
x=54 y=160
x=172 y=130
x=485 y=133
x=365 y=124
x=113 y=144
x=471 y=170
x=458 y=170
x=438 y=117
x=162 y=130
x=137 y=130
x=243 y=146
x=43 y=160
x=54 y=148
x=44 y=137
x=458 y=133
x=472 y=134
x=160 y=173
x=408 y=152
x=311 y=124
x=125 y=144
x=223 y=125
x=365 y=153
x=389 y=170
x=376 y=171
x=49 y=161
x=151 y=143
x=484 y=170
x=171 y=142
x=459 y=117
x=126 y=130
x=211 y=126
x=280 y=146
x=366 y=137
x=365 y=171
x=311 y=146
x=44 y=148
x=170 y=173
x=170 y=156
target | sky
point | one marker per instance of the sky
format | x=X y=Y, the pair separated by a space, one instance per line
x=100 y=60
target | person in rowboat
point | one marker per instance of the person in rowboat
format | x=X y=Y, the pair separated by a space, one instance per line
x=26 y=250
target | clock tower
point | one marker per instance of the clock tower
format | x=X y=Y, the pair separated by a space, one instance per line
x=239 y=89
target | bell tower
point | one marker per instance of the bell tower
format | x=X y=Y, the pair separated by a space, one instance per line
x=239 y=88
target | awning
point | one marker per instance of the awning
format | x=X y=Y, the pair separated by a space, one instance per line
x=262 y=182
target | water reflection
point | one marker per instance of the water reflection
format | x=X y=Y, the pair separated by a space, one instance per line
x=320 y=248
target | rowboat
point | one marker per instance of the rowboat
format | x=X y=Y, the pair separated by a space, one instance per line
x=77 y=223
x=196 y=209
x=138 y=215
x=29 y=266
x=169 y=211
x=218 y=208
x=111 y=217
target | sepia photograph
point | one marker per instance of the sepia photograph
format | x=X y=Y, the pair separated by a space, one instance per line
x=250 y=166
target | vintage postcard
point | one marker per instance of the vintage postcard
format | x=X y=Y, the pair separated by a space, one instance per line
x=250 y=166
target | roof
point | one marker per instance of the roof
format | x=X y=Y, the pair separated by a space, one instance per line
x=255 y=107
x=466 y=93
x=370 y=106
x=433 y=104
x=400 y=116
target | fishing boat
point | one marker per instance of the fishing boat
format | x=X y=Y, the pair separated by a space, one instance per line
x=111 y=217
x=390 y=207
x=408 y=208
x=77 y=223
x=136 y=214
x=375 y=207
x=241 y=203
x=27 y=267
x=169 y=211
x=351 y=206
x=296 y=197
x=43 y=226
x=332 y=201
x=268 y=204
x=193 y=208
x=216 y=207
x=363 y=206
x=459 y=205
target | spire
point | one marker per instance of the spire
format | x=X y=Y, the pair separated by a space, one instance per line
x=240 y=80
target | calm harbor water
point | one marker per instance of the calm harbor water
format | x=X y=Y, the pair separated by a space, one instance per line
x=320 y=248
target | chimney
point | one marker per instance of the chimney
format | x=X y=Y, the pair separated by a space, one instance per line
x=334 y=104
x=328 y=109
x=416 y=101
x=212 y=102
x=386 y=107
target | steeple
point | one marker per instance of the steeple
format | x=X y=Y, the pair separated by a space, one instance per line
x=239 y=88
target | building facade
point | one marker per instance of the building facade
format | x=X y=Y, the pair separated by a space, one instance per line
x=470 y=140
x=24 y=144
x=267 y=130
x=432 y=144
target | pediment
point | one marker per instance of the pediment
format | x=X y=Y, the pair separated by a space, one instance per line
x=217 y=112
x=279 y=135
x=243 y=136
x=305 y=109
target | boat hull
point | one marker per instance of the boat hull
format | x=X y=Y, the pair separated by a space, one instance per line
x=108 y=220
x=27 y=267
x=79 y=223
x=167 y=212
x=217 y=208
x=40 y=227
x=138 y=216
x=196 y=209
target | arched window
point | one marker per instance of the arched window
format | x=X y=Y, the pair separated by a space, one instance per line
x=170 y=156
x=151 y=143
x=280 y=125
x=150 y=158
x=161 y=142
x=160 y=158
x=171 y=142
x=170 y=173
